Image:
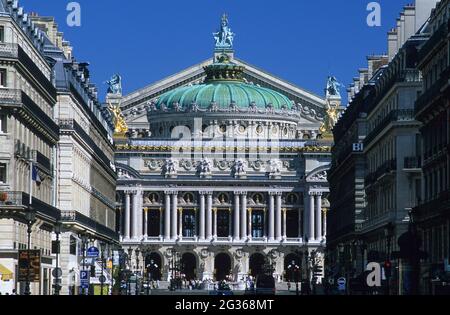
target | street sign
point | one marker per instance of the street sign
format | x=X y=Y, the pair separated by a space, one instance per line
x=84 y=279
x=342 y=284
x=57 y=273
x=87 y=261
x=31 y=258
x=93 y=252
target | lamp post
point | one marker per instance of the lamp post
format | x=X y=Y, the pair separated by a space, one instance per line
x=84 y=240
x=57 y=230
x=31 y=218
x=388 y=231
x=307 y=282
x=363 y=248
x=102 y=278
x=130 y=254
x=137 y=251
x=295 y=271
x=121 y=260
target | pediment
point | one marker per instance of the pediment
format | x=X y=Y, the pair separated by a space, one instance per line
x=318 y=175
x=134 y=105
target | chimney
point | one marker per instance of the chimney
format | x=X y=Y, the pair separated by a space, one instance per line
x=392 y=44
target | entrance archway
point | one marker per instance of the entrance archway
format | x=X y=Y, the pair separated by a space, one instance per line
x=189 y=266
x=153 y=264
x=222 y=266
x=257 y=264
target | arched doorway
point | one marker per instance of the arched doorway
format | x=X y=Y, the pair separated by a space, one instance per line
x=189 y=266
x=222 y=266
x=257 y=264
x=153 y=264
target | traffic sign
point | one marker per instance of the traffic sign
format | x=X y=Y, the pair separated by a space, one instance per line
x=57 y=273
x=109 y=264
x=93 y=252
x=342 y=284
x=102 y=279
x=84 y=279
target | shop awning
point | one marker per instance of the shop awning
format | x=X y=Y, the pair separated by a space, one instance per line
x=5 y=273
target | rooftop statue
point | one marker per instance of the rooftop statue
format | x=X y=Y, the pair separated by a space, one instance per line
x=333 y=87
x=115 y=85
x=225 y=37
x=119 y=121
x=331 y=118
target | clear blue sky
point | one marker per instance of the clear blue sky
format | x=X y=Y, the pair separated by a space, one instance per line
x=302 y=41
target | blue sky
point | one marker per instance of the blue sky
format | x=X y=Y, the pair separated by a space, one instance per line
x=302 y=41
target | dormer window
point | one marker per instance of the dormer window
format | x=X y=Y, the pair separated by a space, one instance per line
x=3 y=78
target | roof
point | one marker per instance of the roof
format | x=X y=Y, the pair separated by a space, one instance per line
x=223 y=94
x=224 y=87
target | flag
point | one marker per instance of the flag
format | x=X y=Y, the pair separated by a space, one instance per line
x=35 y=176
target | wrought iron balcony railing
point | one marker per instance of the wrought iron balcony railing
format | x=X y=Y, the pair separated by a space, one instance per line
x=11 y=198
x=393 y=116
x=413 y=162
x=387 y=167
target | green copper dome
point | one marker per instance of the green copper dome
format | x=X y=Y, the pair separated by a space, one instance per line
x=223 y=87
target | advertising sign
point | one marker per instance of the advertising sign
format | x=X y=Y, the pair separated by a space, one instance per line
x=31 y=258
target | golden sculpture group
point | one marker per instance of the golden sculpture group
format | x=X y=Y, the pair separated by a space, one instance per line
x=120 y=125
x=331 y=118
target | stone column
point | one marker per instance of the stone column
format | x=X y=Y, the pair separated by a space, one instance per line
x=146 y=210
x=161 y=224
x=325 y=223
x=174 y=217
x=250 y=223
x=311 y=233
x=230 y=225
x=167 y=217
x=215 y=222
x=236 y=216
x=278 y=218
x=209 y=216
x=271 y=217
x=139 y=214
x=300 y=223
x=285 y=223
x=135 y=216
x=127 y=216
x=180 y=223
x=243 y=216
x=202 y=216
x=319 y=217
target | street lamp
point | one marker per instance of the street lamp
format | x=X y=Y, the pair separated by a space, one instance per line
x=84 y=240
x=130 y=254
x=307 y=282
x=363 y=248
x=388 y=232
x=294 y=269
x=30 y=216
x=102 y=277
x=57 y=230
